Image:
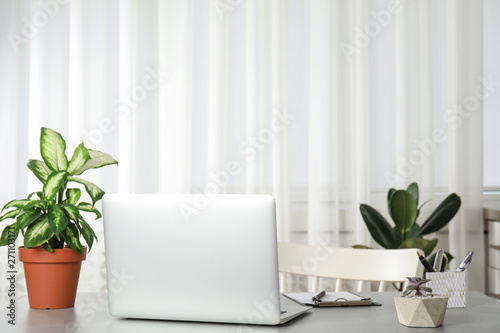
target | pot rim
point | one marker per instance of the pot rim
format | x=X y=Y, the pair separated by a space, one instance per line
x=421 y=298
x=40 y=255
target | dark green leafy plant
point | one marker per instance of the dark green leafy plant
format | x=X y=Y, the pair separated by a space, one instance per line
x=52 y=217
x=404 y=211
x=416 y=286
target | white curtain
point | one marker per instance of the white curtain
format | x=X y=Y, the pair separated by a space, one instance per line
x=325 y=104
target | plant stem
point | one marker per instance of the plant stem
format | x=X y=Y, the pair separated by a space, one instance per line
x=56 y=243
x=61 y=194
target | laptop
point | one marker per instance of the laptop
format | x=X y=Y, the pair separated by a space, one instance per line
x=191 y=257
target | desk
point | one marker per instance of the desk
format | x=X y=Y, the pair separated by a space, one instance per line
x=91 y=316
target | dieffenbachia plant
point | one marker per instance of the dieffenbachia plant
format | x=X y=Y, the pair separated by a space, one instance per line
x=52 y=217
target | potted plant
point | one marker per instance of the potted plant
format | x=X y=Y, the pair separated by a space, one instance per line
x=51 y=222
x=404 y=210
x=421 y=309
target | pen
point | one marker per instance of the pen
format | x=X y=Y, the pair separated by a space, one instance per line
x=438 y=260
x=444 y=263
x=424 y=262
x=466 y=262
x=317 y=298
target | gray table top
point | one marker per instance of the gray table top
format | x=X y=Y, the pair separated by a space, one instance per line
x=90 y=314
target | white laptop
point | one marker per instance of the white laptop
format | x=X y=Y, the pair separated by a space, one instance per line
x=193 y=258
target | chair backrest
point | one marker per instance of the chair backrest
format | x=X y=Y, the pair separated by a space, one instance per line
x=383 y=266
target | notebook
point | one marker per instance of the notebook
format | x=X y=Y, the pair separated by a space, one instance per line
x=194 y=258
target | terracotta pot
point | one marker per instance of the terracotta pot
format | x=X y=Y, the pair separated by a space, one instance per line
x=51 y=277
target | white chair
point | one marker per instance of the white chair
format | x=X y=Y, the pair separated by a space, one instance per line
x=362 y=265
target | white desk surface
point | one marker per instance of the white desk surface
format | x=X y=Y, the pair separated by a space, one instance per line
x=90 y=315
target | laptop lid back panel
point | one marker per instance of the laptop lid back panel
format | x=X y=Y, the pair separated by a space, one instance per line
x=173 y=257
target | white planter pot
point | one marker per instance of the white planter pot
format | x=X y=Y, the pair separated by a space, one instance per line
x=421 y=312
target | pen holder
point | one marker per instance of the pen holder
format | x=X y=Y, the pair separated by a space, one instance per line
x=451 y=284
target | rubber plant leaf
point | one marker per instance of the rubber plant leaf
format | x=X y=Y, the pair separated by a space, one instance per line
x=432 y=257
x=98 y=159
x=358 y=246
x=389 y=195
x=39 y=169
x=412 y=232
x=404 y=211
x=379 y=228
x=80 y=157
x=38 y=232
x=441 y=216
x=397 y=236
x=425 y=245
x=52 y=149
x=413 y=190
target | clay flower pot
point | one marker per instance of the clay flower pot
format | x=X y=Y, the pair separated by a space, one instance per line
x=51 y=277
x=421 y=312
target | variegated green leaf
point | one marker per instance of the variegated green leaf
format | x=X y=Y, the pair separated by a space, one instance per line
x=54 y=182
x=15 y=203
x=98 y=160
x=86 y=207
x=71 y=212
x=88 y=234
x=92 y=189
x=40 y=169
x=33 y=203
x=73 y=195
x=82 y=220
x=47 y=247
x=28 y=217
x=52 y=149
x=38 y=194
x=38 y=232
x=71 y=237
x=57 y=219
x=11 y=214
x=80 y=157
x=9 y=234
